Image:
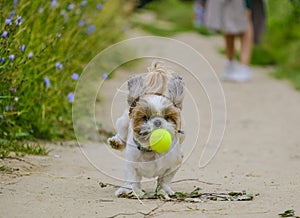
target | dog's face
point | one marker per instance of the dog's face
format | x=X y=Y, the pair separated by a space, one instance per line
x=153 y=112
x=150 y=111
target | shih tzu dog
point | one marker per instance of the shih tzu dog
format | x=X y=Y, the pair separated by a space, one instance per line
x=155 y=101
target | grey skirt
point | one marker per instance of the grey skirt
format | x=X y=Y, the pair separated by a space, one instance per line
x=229 y=16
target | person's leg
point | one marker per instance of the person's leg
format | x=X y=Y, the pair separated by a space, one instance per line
x=229 y=46
x=244 y=73
x=230 y=64
x=247 y=41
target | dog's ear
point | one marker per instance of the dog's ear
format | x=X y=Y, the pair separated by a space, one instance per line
x=176 y=90
x=136 y=87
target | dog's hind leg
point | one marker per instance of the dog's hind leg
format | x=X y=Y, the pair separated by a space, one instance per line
x=118 y=141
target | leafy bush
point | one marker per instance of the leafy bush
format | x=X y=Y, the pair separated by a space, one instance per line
x=281 y=44
x=44 y=45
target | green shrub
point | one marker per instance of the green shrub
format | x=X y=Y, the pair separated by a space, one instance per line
x=281 y=43
x=44 y=46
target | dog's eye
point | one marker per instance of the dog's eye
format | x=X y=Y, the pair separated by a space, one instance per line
x=146 y=118
x=167 y=118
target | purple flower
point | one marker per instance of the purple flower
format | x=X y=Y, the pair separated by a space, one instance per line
x=59 y=65
x=47 y=81
x=104 y=76
x=8 y=21
x=83 y=3
x=91 y=29
x=13 y=89
x=5 y=34
x=53 y=3
x=99 y=6
x=71 y=7
x=19 y=20
x=11 y=57
x=80 y=23
x=12 y=13
x=40 y=10
x=22 y=47
x=15 y=3
x=30 y=55
x=71 y=97
x=75 y=76
x=9 y=108
x=1 y=59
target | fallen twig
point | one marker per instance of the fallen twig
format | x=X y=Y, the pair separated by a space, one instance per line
x=196 y=180
x=103 y=185
x=138 y=212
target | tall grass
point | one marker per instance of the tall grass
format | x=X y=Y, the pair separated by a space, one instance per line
x=44 y=46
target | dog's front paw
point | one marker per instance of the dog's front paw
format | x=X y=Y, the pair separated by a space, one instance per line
x=116 y=143
x=130 y=191
x=123 y=190
x=165 y=188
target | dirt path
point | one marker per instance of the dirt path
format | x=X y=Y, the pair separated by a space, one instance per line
x=260 y=153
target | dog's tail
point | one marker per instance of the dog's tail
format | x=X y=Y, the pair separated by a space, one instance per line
x=157 y=77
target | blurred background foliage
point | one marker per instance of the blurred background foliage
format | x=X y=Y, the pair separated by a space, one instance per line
x=44 y=46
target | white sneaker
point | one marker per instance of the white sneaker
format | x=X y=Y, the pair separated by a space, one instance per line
x=229 y=71
x=242 y=74
x=236 y=72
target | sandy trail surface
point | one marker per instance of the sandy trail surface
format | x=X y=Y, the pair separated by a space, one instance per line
x=260 y=153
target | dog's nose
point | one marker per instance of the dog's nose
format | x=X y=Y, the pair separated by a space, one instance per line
x=157 y=123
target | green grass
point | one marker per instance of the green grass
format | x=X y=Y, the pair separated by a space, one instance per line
x=36 y=91
x=179 y=14
x=20 y=148
x=6 y=169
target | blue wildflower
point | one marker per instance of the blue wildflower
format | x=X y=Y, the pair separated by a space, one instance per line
x=75 y=76
x=30 y=55
x=11 y=57
x=71 y=7
x=58 y=65
x=40 y=10
x=1 y=116
x=9 y=108
x=15 y=3
x=12 y=13
x=91 y=29
x=99 y=6
x=22 y=47
x=8 y=21
x=1 y=59
x=104 y=76
x=71 y=97
x=80 y=23
x=83 y=3
x=47 y=81
x=19 y=20
x=53 y=3
x=5 y=34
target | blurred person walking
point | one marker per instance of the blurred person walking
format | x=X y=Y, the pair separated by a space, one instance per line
x=235 y=19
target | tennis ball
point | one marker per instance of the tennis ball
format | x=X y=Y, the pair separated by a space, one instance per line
x=160 y=140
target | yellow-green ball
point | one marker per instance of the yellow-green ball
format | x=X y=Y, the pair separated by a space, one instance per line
x=160 y=140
